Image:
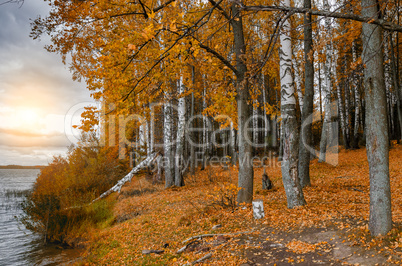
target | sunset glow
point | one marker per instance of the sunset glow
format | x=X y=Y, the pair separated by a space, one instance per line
x=27 y=117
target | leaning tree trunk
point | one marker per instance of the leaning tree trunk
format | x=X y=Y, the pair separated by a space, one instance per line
x=246 y=172
x=294 y=192
x=181 y=110
x=307 y=110
x=376 y=121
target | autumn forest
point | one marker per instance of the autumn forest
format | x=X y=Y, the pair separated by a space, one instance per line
x=211 y=105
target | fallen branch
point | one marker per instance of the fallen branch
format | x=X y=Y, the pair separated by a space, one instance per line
x=146 y=251
x=343 y=176
x=181 y=250
x=359 y=190
x=128 y=177
x=209 y=255
x=211 y=235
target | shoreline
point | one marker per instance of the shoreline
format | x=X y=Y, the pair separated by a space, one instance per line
x=22 y=166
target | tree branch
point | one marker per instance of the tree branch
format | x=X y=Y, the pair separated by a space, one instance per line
x=386 y=25
x=220 y=57
x=221 y=9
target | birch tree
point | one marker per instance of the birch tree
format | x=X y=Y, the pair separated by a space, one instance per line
x=356 y=101
x=326 y=135
x=168 y=141
x=342 y=118
x=181 y=109
x=290 y=132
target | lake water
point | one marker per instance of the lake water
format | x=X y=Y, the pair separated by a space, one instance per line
x=18 y=246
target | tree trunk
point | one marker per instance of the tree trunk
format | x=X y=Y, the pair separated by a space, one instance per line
x=398 y=92
x=246 y=173
x=298 y=82
x=152 y=130
x=357 y=102
x=192 y=136
x=264 y=114
x=326 y=135
x=233 y=144
x=307 y=110
x=340 y=106
x=388 y=85
x=167 y=142
x=205 y=132
x=376 y=121
x=255 y=122
x=294 y=192
x=181 y=110
x=347 y=109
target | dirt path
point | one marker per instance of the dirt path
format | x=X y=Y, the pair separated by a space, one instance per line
x=312 y=246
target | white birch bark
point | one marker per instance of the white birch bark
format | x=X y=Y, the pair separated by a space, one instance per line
x=233 y=143
x=181 y=110
x=152 y=131
x=347 y=107
x=356 y=101
x=340 y=102
x=205 y=131
x=167 y=141
x=266 y=121
x=128 y=177
x=255 y=122
x=294 y=192
x=326 y=134
x=142 y=137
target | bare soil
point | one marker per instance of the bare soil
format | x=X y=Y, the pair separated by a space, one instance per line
x=310 y=246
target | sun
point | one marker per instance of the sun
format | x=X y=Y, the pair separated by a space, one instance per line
x=27 y=117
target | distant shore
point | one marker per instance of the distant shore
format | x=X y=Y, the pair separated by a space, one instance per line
x=12 y=166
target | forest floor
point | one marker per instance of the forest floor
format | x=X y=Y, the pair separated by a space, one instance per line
x=331 y=229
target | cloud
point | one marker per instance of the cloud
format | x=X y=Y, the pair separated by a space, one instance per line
x=34 y=79
x=21 y=139
x=28 y=155
x=28 y=134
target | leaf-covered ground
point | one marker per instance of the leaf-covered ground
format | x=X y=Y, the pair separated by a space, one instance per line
x=330 y=229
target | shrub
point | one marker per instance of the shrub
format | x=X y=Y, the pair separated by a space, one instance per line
x=59 y=201
x=224 y=195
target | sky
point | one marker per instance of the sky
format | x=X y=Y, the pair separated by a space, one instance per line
x=37 y=94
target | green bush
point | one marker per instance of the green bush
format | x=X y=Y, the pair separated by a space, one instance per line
x=59 y=203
